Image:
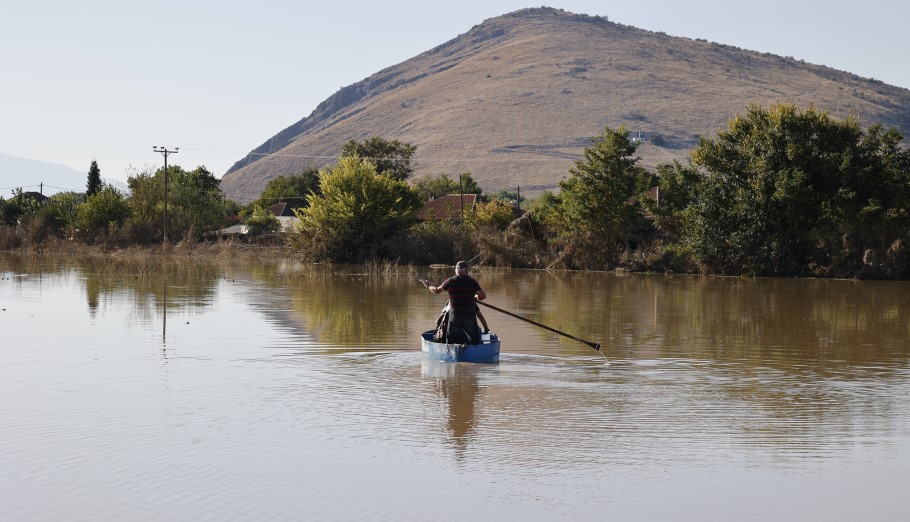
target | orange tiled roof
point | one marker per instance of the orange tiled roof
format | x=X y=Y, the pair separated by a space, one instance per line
x=447 y=207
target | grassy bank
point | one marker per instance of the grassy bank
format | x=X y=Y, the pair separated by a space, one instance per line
x=227 y=249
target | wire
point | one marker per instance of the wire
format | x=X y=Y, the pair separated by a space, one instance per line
x=45 y=185
x=548 y=154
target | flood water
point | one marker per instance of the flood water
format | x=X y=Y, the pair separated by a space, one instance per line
x=273 y=391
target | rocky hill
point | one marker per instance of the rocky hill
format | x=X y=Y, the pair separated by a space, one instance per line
x=515 y=99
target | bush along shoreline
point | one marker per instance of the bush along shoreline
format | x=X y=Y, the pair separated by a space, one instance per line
x=784 y=191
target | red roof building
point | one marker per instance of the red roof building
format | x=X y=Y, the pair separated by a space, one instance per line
x=447 y=208
x=280 y=210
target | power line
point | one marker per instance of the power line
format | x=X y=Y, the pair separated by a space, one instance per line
x=544 y=155
x=39 y=185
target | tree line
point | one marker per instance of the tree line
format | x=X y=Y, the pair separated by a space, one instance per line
x=105 y=214
x=783 y=191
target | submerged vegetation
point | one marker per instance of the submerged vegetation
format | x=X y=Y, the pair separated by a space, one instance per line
x=784 y=191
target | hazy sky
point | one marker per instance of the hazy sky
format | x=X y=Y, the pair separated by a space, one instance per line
x=108 y=79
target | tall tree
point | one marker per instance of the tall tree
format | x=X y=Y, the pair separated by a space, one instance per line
x=392 y=158
x=594 y=213
x=94 y=183
x=195 y=201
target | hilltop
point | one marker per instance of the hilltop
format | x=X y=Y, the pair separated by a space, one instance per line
x=516 y=99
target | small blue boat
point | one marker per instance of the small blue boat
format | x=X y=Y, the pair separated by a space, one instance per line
x=485 y=352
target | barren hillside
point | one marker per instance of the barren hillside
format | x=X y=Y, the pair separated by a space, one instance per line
x=515 y=100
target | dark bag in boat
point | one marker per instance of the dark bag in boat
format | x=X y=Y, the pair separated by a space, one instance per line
x=442 y=326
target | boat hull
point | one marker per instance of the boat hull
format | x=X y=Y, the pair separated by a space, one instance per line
x=486 y=352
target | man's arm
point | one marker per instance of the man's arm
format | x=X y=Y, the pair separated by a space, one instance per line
x=480 y=295
x=432 y=288
x=483 y=321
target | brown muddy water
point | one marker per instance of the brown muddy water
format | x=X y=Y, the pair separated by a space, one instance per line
x=215 y=392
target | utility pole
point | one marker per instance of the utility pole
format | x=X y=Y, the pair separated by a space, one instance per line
x=165 y=152
x=461 y=193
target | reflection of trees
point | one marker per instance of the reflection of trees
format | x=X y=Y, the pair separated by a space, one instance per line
x=342 y=306
x=776 y=320
x=191 y=283
x=821 y=322
x=802 y=355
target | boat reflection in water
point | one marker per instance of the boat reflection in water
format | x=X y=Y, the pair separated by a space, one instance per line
x=458 y=384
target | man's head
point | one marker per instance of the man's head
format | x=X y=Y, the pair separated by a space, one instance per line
x=461 y=268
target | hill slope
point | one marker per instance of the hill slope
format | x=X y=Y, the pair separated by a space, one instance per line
x=516 y=99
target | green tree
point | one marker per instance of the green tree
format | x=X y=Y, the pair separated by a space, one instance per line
x=594 y=214
x=12 y=209
x=292 y=189
x=20 y=208
x=262 y=222
x=677 y=185
x=512 y=197
x=390 y=157
x=104 y=211
x=94 y=183
x=57 y=213
x=430 y=187
x=67 y=204
x=195 y=203
x=491 y=214
x=146 y=202
x=786 y=189
x=358 y=210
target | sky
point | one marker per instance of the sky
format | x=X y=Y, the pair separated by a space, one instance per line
x=109 y=79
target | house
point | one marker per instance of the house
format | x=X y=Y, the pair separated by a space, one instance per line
x=285 y=215
x=282 y=212
x=234 y=229
x=36 y=196
x=448 y=208
x=653 y=194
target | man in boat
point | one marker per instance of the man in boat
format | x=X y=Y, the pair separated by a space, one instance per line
x=442 y=322
x=464 y=292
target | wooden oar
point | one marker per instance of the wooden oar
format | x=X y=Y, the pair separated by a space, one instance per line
x=596 y=346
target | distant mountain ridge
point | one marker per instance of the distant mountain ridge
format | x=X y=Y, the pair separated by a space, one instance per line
x=38 y=176
x=47 y=178
x=516 y=99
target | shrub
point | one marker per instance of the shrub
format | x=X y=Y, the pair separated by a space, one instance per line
x=104 y=211
x=357 y=211
x=262 y=222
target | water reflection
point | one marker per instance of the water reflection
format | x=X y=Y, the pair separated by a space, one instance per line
x=458 y=385
x=716 y=388
x=789 y=325
x=830 y=323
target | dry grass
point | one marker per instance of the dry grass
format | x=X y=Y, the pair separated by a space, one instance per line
x=218 y=250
